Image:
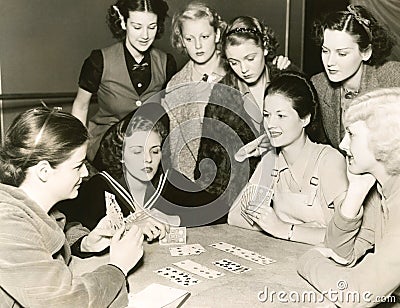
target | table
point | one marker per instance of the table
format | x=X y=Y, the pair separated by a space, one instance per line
x=231 y=290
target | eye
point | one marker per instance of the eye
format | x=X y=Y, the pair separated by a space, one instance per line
x=188 y=39
x=156 y=151
x=281 y=116
x=342 y=54
x=232 y=63
x=266 y=114
x=205 y=36
x=153 y=27
x=250 y=59
x=324 y=50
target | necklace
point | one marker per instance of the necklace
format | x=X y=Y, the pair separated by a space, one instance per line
x=350 y=94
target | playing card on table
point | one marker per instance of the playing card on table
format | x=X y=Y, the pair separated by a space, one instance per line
x=177 y=276
x=198 y=269
x=243 y=253
x=113 y=211
x=231 y=266
x=176 y=235
x=186 y=250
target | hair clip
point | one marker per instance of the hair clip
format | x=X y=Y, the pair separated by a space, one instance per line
x=364 y=22
x=121 y=18
x=243 y=30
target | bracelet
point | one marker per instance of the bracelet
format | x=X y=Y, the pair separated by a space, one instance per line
x=290 y=233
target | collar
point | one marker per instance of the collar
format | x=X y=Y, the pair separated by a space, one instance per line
x=390 y=187
x=298 y=168
x=130 y=60
x=244 y=88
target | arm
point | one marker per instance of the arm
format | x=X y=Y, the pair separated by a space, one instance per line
x=80 y=106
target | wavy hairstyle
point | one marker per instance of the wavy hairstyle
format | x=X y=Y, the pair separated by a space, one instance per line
x=358 y=22
x=380 y=110
x=158 y=7
x=193 y=11
x=39 y=134
x=245 y=28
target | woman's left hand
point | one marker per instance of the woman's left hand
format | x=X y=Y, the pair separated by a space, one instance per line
x=267 y=219
x=151 y=228
x=281 y=62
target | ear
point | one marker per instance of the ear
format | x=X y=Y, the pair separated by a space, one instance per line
x=306 y=120
x=366 y=53
x=217 y=36
x=43 y=170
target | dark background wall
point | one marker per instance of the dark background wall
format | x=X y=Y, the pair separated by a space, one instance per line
x=44 y=42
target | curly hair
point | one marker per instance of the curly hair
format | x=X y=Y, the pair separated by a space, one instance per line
x=116 y=18
x=39 y=134
x=193 y=11
x=244 y=28
x=380 y=110
x=111 y=146
x=358 y=22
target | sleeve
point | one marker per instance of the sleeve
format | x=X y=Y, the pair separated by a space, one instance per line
x=91 y=72
x=375 y=276
x=31 y=275
x=171 y=67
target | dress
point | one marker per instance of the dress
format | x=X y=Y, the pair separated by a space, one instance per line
x=331 y=104
x=226 y=128
x=171 y=194
x=184 y=101
x=118 y=90
x=369 y=243
x=306 y=191
x=34 y=258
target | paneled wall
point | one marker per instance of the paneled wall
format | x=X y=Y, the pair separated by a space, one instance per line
x=44 y=42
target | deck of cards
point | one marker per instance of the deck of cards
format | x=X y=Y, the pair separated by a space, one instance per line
x=176 y=236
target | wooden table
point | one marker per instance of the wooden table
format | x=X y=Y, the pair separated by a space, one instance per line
x=230 y=290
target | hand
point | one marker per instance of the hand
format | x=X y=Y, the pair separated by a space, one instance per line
x=267 y=219
x=360 y=183
x=151 y=228
x=254 y=148
x=99 y=238
x=281 y=62
x=126 y=249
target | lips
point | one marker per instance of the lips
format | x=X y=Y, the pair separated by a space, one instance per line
x=274 y=134
x=199 y=54
x=147 y=169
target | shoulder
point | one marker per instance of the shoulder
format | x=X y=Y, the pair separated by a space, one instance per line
x=320 y=80
x=113 y=47
x=388 y=73
x=182 y=76
x=332 y=165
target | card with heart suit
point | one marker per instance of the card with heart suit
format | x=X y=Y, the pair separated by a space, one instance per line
x=186 y=250
x=198 y=269
x=231 y=266
x=243 y=253
x=113 y=211
x=176 y=236
x=180 y=277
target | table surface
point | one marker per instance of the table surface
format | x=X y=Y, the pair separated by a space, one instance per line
x=230 y=290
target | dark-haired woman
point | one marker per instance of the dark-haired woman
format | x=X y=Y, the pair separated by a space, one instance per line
x=42 y=163
x=127 y=73
x=308 y=179
x=354 y=51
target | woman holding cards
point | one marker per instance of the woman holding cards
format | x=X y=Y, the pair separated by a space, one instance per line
x=41 y=163
x=308 y=179
x=138 y=173
x=363 y=238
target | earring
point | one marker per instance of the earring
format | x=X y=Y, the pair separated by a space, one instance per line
x=265 y=52
x=122 y=161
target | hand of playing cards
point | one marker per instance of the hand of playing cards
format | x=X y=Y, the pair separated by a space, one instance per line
x=254 y=196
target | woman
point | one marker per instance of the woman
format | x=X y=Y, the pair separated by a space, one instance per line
x=309 y=179
x=354 y=53
x=127 y=73
x=362 y=242
x=41 y=163
x=138 y=174
x=249 y=48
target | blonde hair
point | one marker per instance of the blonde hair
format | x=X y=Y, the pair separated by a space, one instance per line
x=194 y=11
x=380 y=110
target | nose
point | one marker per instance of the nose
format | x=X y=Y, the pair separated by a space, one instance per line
x=331 y=59
x=148 y=157
x=84 y=171
x=198 y=44
x=145 y=33
x=243 y=68
x=269 y=122
x=344 y=144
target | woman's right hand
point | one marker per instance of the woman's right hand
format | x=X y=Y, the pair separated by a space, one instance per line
x=126 y=249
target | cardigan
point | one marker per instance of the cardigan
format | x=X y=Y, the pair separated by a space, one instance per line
x=387 y=75
x=34 y=258
x=370 y=245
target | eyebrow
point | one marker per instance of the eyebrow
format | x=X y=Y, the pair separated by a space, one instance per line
x=343 y=48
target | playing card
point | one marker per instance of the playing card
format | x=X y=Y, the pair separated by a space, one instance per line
x=198 y=269
x=176 y=235
x=177 y=276
x=113 y=212
x=231 y=266
x=260 y=195
x=186 y=250
x=243 y=253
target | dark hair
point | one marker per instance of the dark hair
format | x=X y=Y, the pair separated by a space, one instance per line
x=300 y=90
x=149 y=117
x=36 y=135
x=245 y=28
x=358 y=22
x=158 y=7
